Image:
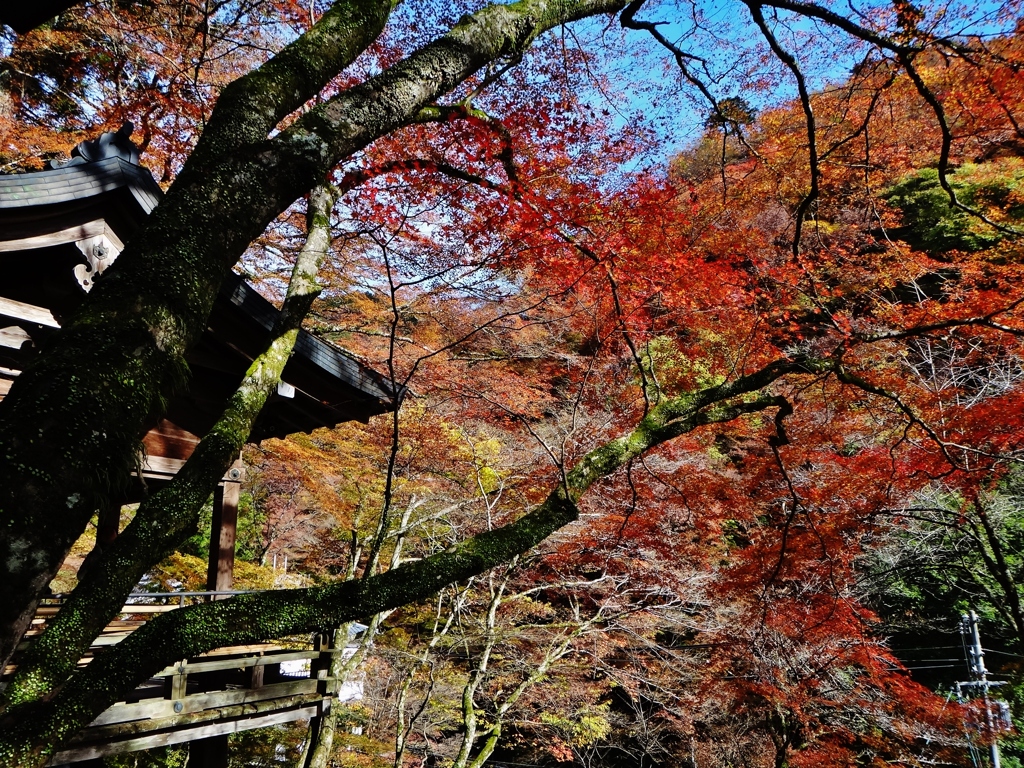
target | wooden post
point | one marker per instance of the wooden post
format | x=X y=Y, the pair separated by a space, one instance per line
x=175 y=685
x=320 y=665
x=256 y=676
x=219 y=574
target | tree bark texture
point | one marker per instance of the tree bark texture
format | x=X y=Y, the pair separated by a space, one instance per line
x=30 y=733
x=24 y=17
x=71 y=425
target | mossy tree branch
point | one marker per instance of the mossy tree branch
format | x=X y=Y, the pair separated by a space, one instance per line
x=170 y=515
x=257 y=102
x=258 y=616
x=71 y=424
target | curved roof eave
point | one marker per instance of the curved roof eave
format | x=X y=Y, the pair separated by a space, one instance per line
x=80 y=182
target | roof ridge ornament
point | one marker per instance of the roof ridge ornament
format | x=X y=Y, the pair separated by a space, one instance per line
x=106 y=145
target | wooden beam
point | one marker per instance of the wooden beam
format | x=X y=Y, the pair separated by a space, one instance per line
x=186 y=720
x=195 y=667
x=214 y=664
x=95 y=228
x=169 y=441
x=160 y=466
x=14 y=336
x=152 y=709
x=143 y=608
x=308 y=710
x=28 y=312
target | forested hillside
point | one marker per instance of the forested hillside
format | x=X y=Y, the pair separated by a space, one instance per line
x=728 y=600
x=705 y=451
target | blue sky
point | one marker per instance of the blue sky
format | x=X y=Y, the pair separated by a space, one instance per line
x=723 y=34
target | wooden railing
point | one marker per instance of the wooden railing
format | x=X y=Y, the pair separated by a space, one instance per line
x=227 y=690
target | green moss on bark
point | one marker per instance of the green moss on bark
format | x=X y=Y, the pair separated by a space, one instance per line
x=169 y=516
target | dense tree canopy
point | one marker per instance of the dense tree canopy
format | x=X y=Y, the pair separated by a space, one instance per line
x=721 y=366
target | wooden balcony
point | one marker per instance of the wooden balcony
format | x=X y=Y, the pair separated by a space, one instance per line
x=221 y=692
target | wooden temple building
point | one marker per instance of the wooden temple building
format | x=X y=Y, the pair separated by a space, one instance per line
x=60 y=229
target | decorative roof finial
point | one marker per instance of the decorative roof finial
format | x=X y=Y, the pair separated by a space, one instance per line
x=104 y=146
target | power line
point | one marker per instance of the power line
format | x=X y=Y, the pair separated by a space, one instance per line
x=1004 y=653
x=935 y=666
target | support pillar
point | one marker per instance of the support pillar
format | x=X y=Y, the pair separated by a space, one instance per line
x=219 y=574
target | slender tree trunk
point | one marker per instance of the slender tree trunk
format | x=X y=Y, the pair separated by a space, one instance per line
x=402 y=730
x=469 y=717
x=1000 y=571
x=172 y=513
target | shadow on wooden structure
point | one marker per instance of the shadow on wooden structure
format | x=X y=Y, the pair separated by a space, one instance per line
x=222 y=692
x=61 y=229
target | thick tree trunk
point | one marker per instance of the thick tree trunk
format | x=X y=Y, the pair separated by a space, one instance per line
x=172 y=514
x=70 y=427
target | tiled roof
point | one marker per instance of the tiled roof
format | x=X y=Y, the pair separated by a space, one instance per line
x=82 y=180
x=318 y=351
x=79 y=181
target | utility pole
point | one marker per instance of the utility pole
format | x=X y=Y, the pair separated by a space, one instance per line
x=979 y=678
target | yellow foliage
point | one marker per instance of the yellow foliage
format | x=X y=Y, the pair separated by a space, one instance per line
x=583 y=728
